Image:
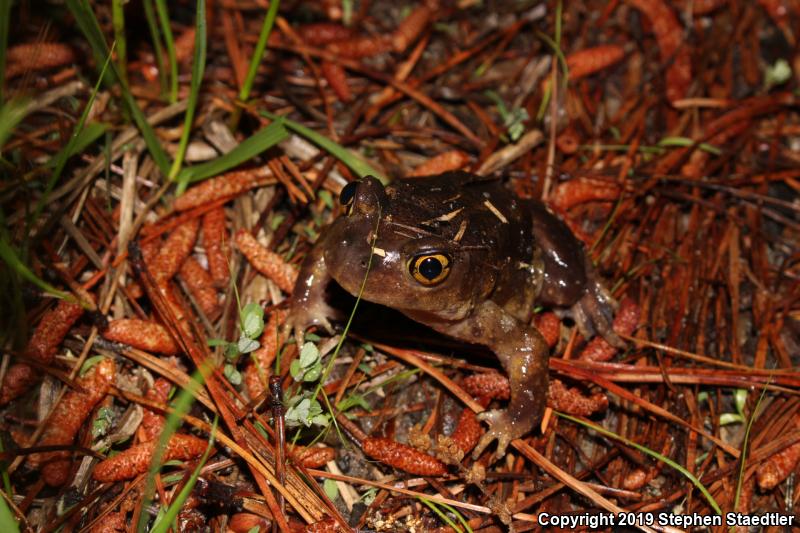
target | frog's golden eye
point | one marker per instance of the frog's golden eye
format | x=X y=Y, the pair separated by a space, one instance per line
x=430 y=268
x=347 y=196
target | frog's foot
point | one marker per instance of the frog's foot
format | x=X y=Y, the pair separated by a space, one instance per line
x=594 y=312
x=303 y=315
x=502 y=427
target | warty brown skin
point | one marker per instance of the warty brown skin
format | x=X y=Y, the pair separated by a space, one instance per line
x=490 y=258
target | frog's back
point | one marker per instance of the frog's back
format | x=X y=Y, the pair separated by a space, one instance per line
x=476 y=212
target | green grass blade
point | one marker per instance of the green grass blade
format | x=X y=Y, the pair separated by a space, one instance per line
x=685 y=142
x=158 y=51
x=91 y=30
x=655 y=455
x=249 y=148
x=169 y=41
x=8 y=521
x=153 y=144
x=329 y=367
x=85 y=138
x=745 y=446
x=15 y=325
x=11 y=114
x=446 y=519
x=118 y=21
x=353 y=162
x=181 y=406
x=9 y=256
x=458 y=515
x=198 y=68
x=62 y=157
x=5 y=17
x=258 y=53
x=165 y=522
x=4 y=472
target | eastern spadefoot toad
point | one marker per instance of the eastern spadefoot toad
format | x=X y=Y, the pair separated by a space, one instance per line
x=464 y=256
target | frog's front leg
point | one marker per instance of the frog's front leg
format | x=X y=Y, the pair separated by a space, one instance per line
x=523 y=353
x=307 y=305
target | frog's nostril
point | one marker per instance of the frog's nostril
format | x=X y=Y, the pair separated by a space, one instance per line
x=363 y=263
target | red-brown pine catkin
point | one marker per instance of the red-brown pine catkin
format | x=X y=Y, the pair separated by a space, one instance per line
x=268 y=263
x=52 y=328
x=314 y=457
x=142 y=334
x=598 y=349
x=590 y=60
x=439 y=164
x=175 y=250
x=468 y=431
x=31 y=57
x=152 y=421
x=200 y=286
x=136 y=459
x=675 y=51
x=777 y=468
x=67 y=418
x=572 y=401
x=218 y=247
x=403 y=457
x=224 y=186
x=111 y=523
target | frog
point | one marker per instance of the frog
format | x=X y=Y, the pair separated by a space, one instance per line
x=463 y=255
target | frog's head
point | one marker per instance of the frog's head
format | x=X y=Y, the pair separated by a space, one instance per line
x=411 y=268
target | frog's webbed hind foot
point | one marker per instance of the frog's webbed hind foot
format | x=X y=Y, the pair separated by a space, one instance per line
x=503 y=428
x=594 y=312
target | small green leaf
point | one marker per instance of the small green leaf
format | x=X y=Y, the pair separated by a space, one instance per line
x=314 y=409
x=730 y=418
x=298 y=414
x=252 y=320
x=217 y=342
x=247 y=345
x=296 y=370
x=102 y=423
x=232 y=351
x=369 y=496
x=306 y=413
x=276 y=221
x=331 y=489
x=354 y=400
x=89 y=363
x=254 y=529
x=778 y=74
x=232 y=375
x=740 y=400
x=320 y=420
x=309 y=355
x=312 y=337
x=313 y=373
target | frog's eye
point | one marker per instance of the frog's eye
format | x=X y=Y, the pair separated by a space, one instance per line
x=347 y=196
x=430 y=268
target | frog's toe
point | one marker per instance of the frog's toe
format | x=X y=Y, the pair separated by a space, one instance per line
x=501 y=428
x=302 y=317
